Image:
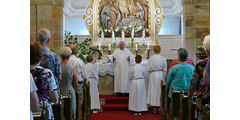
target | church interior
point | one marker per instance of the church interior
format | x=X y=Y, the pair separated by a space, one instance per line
x=120 y=59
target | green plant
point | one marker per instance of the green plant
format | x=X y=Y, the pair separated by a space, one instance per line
x=200 y=48
x=83 y=48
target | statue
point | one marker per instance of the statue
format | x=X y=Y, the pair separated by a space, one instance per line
x=124 y=13
x=110 y=15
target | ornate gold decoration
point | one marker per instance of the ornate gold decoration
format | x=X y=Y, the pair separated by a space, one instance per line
x=92 y=18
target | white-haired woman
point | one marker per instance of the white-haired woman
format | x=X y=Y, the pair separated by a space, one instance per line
x=69 y=79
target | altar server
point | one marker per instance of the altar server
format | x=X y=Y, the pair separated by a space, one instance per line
x=157 y=70
x=93 y=81
x=137 y=94
x=122 y=58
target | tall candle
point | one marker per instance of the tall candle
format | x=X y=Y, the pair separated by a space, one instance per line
x=136 y=47
x=99 y=46
x=148 y=46
x=109 y=47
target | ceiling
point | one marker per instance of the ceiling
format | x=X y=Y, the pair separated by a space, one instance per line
x=77 y=6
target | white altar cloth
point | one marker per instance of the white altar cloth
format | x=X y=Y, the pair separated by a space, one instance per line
x=105 y=68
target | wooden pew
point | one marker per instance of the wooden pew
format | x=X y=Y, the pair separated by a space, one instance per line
x=41 y=115
x=166 y=104
x=79 y=105
x=183 y=111
x=175 y=104
x=68 y=109
x=58 y=109
x=191 y=107
x=86 y=102
x=162 y=99
x=206 y=112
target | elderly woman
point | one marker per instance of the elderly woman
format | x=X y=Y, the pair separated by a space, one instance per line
x=157 y=70
x=43 y=78
x=180 y=75
x=198 y=85
x=69 y=77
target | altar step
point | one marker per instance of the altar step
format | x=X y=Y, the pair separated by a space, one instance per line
x=114 y=103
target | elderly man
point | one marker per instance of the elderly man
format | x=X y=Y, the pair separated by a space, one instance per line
x=50 y=59
x=80 y=68
x=122 y=58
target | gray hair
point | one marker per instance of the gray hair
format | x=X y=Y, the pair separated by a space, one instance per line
x=43 y=35
x=65 y=52
x=182 y=54
x=120 y=42
x=206 y=43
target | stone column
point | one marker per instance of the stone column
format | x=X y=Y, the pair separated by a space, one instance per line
x=197 y=23
x=47 y=14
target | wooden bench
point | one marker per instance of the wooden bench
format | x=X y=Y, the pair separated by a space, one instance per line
x=86 y=102
x=206 y=112
x=175 y=104
x=58 y=109
x=41 y=115
x=162 y=99
x=166 y=104
x=68 y=109
x=79 y=105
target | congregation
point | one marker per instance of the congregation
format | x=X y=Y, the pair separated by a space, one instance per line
x=52 y=77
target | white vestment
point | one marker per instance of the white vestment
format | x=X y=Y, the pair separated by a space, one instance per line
x=157 y=70
x=137 y=94
x=93 y=81
x=122 y=66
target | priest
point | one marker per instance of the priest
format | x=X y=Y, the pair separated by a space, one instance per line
x=122 y=58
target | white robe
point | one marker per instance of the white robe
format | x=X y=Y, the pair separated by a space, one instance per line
x=137 y=94
x=93 y=81
x=122 y=66
x=157 y=70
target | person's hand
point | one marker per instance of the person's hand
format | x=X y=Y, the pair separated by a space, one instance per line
x=128 y=58
x=114 y=59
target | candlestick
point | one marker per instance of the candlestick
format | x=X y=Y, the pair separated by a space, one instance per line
x=136 y=52
x=99 y=46
x=99 y=55
x=109 y=52
x=109 y=47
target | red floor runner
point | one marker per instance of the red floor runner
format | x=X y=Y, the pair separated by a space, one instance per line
x=124 y=115
x=114 y=103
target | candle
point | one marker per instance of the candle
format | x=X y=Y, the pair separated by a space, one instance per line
x=136 y=47
x=109 y=47
x=148 y=46
x=99 y=46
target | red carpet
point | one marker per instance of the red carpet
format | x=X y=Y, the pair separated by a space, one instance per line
x=114 y=103
x=124 y=115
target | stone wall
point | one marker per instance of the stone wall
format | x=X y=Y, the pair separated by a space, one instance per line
x=47 y=14
x=196 y=23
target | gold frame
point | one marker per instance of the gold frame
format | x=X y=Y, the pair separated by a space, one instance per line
x=92 y=20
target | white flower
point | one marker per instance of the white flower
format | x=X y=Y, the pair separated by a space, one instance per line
x=105 y=30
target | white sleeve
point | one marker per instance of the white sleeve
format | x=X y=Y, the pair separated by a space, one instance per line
x=52 y=83
x=32 y=84
x=95 y=69
x=165 y=68
x=131 y=56
x=84 y=72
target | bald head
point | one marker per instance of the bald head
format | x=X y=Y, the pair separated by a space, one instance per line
x=73 y=48
x=121 y=45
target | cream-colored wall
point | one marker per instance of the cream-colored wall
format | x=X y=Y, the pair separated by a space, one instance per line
x=196 y=16
x=47 y=14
